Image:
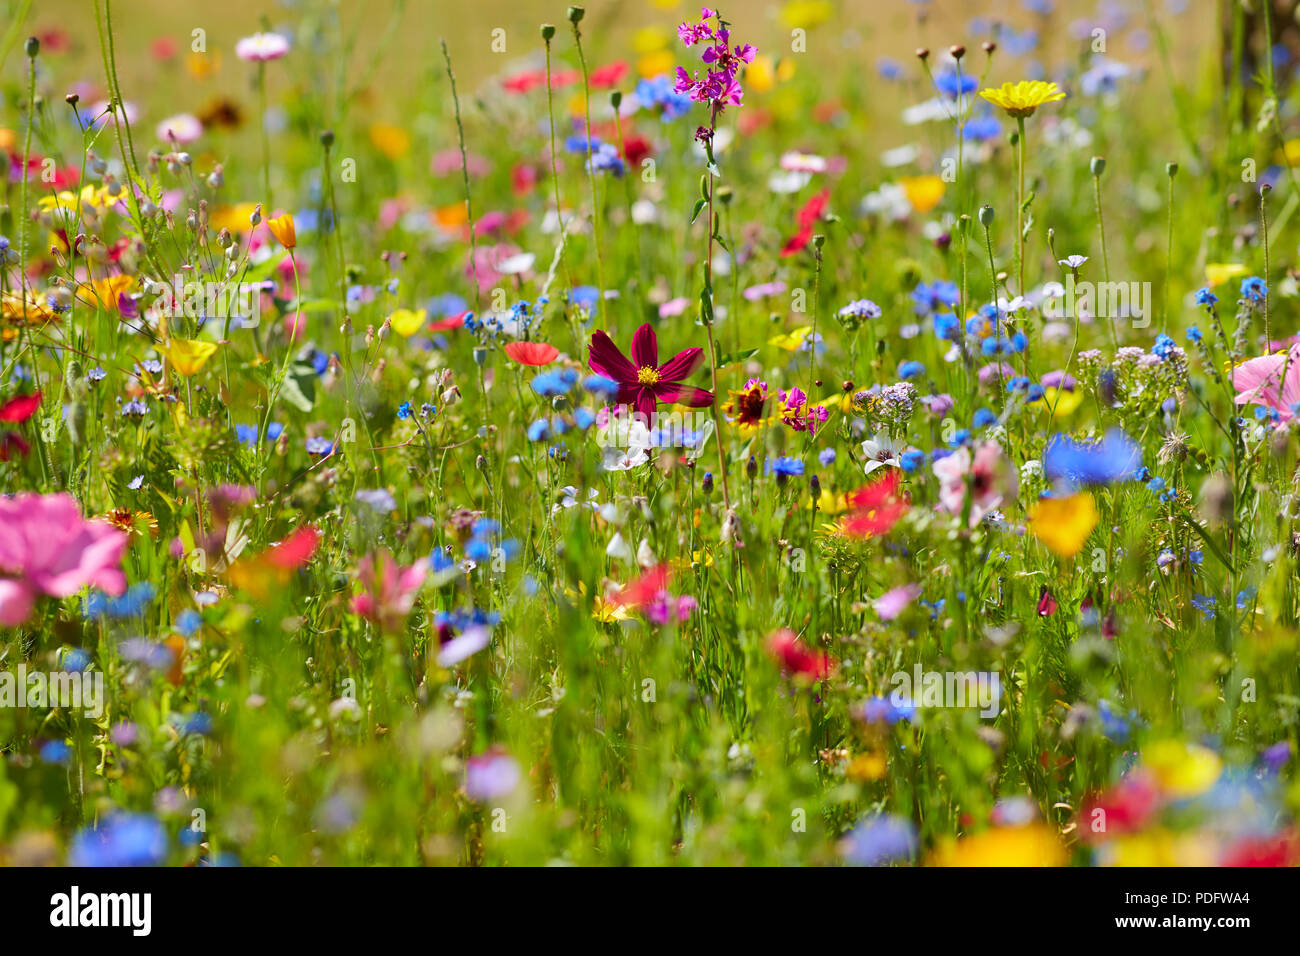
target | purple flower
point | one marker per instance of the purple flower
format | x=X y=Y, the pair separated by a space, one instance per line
x=491 y=775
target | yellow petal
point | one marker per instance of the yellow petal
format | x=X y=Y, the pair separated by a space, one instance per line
x=1033 y=845
x=791 y=340
x=1217 y=273
x=187 y=356
x=1182 y=770
x=1062 y=401
x=406 y=322
x=1063 y=524
x=923 y=192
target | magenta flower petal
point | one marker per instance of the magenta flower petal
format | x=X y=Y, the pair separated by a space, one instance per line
x=606 y=359
x=687 y=395
x=16 y=600
x=681 y=365
x=645 y=347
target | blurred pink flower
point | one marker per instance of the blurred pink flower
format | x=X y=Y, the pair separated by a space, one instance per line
x=1257 y=382
x=894 y=601
x=261 y=47
x=47 y=547
x=389 y=591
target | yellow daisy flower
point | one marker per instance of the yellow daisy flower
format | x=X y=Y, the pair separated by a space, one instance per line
x=1021 y=99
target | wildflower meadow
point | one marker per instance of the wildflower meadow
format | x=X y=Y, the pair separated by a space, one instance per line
x=808 y=433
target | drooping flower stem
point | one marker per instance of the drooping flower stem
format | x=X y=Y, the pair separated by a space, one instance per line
x=464 y=172
x=591 y=168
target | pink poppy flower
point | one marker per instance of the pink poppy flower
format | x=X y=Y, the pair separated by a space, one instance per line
x=1260 y=382
x=389 y=590
x=642 y=382
x=47 y=547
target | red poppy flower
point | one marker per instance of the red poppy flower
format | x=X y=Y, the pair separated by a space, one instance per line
x=20 y=408
x=806 y=218
x=797 y=657
x=531 y=353
x=450 y=322
x=642 y=381
x=643 y=589
x=608 y=75
x=877 y=507
x=295 y=550
x=635 y=149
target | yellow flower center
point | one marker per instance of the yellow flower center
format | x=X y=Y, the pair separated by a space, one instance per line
x=647 y=376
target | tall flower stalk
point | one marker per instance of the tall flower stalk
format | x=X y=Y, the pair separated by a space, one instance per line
x=718 y=88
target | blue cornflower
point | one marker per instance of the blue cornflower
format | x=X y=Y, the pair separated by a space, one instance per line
x=319 y=446
x=983 y=418
x=539 y=430
x=1204 y=604
x=123 y=839
x=826 y=457
x=910 y=369
x=911 y=461
x=1115 y=458
x=881 y=839
x=785 y=467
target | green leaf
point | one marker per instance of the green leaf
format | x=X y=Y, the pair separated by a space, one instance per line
x=299 y=388
x=699 y=204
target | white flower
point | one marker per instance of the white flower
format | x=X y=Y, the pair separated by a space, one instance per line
x=618 y=548
x=879 y=451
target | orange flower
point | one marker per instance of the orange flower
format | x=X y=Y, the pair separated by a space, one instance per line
x=282 y=228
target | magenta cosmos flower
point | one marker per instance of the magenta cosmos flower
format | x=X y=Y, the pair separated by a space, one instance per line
x=47 y=547
x=642 y=381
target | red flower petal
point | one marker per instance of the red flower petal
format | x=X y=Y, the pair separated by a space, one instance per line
x=295 y=550
x=645 y=347
x=797 y=242
x=20 y=407
x=643 y=589
x=531 y=353
x=681 y=365
x=605 y=358
x=451 y=322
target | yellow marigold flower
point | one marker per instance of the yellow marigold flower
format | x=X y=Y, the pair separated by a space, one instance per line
x=1021 y=99
x=1217 y=273
x=1063 y=524
x=187 y=356
x=103 y=293
x=923 y=192
x=1182 y=770
x=283 y=229
x=393 y=141
x=406 y=322
x=1060 y=401
x=1032 y=845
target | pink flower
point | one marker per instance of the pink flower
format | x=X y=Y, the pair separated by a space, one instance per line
x=642 y=381
x=389 y=591
x=1257 y=382
x=261 y=47
x=991 y=479
x=49 y=548
x=894 y=601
